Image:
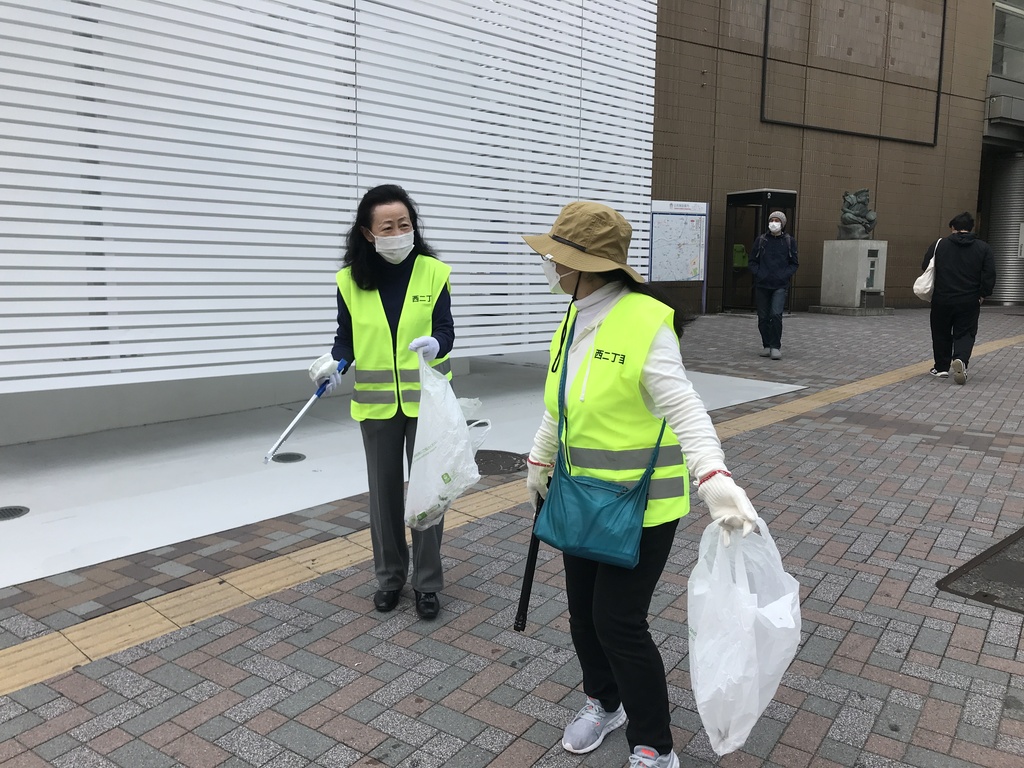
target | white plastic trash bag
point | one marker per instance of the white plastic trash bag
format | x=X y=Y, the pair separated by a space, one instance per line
x=470 y=406
x=477 y=429
x=442 y=463
x=744 y=625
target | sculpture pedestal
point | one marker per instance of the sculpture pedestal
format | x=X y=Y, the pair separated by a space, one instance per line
x=853 y=278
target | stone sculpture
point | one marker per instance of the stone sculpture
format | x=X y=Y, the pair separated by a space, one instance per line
x=856 y=220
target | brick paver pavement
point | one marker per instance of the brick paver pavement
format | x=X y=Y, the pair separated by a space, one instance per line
x=871 y=500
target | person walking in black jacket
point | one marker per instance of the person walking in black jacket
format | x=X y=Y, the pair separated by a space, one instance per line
x=773 y=261
x=965 y=274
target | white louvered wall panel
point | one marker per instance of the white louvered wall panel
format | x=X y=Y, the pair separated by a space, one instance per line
x=177 y=178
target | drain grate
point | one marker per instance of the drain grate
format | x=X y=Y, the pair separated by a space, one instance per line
x=499 y=462
x=995 y=577
x=10 y=513
x=288 y=458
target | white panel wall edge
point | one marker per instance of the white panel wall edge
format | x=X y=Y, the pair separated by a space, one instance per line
x=33 y=416
x=177 y=178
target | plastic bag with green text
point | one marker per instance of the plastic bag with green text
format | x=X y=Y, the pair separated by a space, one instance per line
x=443 y=463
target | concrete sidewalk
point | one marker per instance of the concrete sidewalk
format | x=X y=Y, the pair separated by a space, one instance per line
x=875 y=482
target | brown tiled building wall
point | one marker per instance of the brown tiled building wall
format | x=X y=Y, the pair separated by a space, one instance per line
x=861 y=66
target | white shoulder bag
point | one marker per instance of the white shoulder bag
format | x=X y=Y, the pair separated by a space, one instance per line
x=925 y=284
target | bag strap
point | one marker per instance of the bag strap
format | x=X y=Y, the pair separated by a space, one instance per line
x=657 y=447
x=931 y=261
x=563 y=422
x=760 y=241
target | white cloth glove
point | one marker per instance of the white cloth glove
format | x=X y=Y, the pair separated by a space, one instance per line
x=332 y=383
x=728 y=504
x=428 y=344
x=538 y=474
x=325 y=367
x=545 y=441
x=542 y=459
x=322 y=367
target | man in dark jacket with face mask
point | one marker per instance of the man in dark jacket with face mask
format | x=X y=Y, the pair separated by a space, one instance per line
x=965 y=274
x=773 y=261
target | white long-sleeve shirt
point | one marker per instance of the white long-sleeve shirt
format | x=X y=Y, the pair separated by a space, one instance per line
x=666 y=391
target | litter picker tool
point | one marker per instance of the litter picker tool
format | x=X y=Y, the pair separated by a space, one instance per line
x=284 y=435
x=531 y=566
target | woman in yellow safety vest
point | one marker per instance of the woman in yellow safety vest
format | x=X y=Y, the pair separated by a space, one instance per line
x=393 y=301
x=624 y=376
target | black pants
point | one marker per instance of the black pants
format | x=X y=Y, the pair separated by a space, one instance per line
x=954 y=329
x=608 y=620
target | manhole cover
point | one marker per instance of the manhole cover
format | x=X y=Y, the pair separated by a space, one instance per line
x=499 y=462
x=995 y=577
x=288 y=458
x=9 y=513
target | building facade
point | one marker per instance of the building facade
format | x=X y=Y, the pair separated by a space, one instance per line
x=822 y=97
x=177 y=178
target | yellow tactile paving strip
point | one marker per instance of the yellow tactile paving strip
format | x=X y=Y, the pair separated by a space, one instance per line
x=37 y=660
x=45 y=657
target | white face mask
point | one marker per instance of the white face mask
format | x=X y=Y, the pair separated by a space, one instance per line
x=395 y=249
x=774 y=227
x=554 y=279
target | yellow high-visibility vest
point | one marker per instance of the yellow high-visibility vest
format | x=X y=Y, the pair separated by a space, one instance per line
x=386 y=372
x=611 y=433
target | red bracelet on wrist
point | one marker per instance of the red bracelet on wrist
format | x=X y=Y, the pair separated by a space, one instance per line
x=538 y=464
x=711 y=474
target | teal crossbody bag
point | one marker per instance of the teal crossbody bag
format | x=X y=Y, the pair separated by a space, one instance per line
x=589 y=517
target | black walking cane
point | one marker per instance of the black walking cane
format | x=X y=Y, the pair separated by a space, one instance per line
x=531 y=566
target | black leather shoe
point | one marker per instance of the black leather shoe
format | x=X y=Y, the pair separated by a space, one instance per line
x=385 y=600
x=427 y=605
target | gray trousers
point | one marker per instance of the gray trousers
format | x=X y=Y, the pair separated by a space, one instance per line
x=385 y=441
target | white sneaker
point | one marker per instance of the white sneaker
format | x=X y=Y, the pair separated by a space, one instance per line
x=645 y=757
x=586 y=732
x=775 y=353
x=764 y=352
x=959 y=371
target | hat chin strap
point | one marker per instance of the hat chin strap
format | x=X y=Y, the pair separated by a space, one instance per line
x=595 y=281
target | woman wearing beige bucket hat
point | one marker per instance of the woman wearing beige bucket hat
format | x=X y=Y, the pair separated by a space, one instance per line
x=623 y=377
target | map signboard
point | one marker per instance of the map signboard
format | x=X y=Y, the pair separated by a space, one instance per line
x=679 y=244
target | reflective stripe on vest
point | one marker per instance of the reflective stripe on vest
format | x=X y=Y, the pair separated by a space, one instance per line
x=388 y=377
x=377 y=392
x=660 y=488
x=374 y=377
x=610 y=431
x=632 y=458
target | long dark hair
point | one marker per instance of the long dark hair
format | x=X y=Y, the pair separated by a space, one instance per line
x=360 y=254
x=679 y=320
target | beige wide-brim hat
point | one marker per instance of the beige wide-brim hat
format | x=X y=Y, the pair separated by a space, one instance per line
x=587 y=237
